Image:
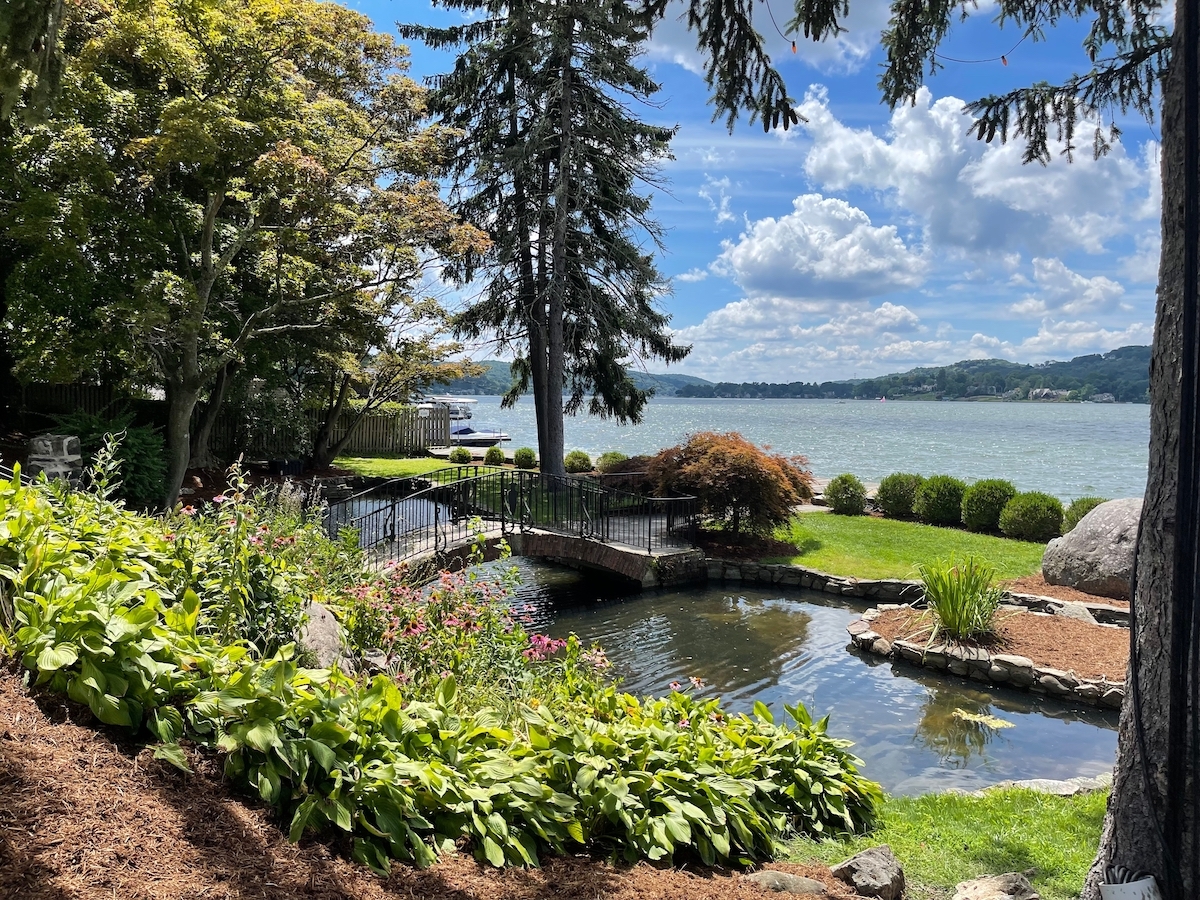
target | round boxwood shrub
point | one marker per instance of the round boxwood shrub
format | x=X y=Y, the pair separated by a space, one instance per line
x=1032 y=516
x=896 y=494
x=576 y=462
x=846 y=495
x=610 y=461
x=460 y=455
x=983 y=502
x=525 y=458
x=493 y=457
x=939 y=500
x=1078 y=509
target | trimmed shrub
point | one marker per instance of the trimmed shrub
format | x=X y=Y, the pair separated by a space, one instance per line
x=896 y=494
x=939 y=500
x=1078 y=509
x=525 y=458
x=460 y=456
x=1032 y=516
x=846 y=495
x=961 y=596
x=493 y=457
x=577 y=462
x=983 y=502
x=740 y=486
x=609 y=462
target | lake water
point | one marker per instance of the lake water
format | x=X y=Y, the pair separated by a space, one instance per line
x=752 y=644
x=1066 y=449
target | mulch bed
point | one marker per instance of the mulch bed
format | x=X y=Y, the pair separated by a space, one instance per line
x=1036 y=584
x=722 y=545
x=85 y=813
x=1055 y=642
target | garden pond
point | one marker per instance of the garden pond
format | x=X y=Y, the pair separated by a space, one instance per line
x=916 y=732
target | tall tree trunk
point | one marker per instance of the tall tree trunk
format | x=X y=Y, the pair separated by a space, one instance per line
x=202 y=455
x=1136 y=810
x=325 y=449
x=182 y=395
x=551 y=455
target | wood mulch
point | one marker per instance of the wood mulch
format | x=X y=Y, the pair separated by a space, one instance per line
x=1036 y=584
x=85 y=813
x=1054 y=642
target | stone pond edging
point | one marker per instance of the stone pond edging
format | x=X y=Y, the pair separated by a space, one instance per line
x=981 y=665
x=885 y=590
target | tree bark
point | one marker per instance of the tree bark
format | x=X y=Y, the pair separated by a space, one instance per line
x=1138 y=802
x=551 y=455
x=181 y=402
x=202 y=455
x=324 y=449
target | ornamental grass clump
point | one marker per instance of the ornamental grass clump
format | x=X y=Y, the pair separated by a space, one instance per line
x=962 y=597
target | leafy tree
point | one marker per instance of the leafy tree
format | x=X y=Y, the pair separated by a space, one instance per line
x=740 y=487
x=250 y=170
x=1133 y=63
x=30 y=60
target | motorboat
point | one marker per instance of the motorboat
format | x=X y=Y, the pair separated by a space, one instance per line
x=463 y=434
x=460 y=407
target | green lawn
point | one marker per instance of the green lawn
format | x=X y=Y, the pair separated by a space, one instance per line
x=380 y=467
x=868 y=547
x=942 y=839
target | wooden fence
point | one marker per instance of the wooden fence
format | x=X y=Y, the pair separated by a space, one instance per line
x=408 y=430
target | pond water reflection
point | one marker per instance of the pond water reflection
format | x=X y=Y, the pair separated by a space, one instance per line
x=916 y=732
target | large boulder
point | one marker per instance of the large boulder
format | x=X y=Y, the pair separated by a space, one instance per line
x=875 y=872
x=1096 y=556
x=322 y=635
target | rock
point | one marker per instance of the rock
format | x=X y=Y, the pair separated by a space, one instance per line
x=322 y=634
x=1096 y=556
x=1012 y=886
x=873 y=873
x=858 y=626
x=785 y=883
x=1075 y=611
x=375 y=661
x=881 y=646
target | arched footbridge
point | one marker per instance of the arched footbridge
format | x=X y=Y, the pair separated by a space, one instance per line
x=575 y=520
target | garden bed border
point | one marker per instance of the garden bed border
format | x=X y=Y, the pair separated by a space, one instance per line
x=981 y=665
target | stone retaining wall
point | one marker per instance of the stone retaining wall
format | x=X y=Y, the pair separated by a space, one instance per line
x=882 y=590
x=981 y=665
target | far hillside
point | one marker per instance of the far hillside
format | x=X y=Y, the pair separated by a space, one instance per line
x=1121 y=375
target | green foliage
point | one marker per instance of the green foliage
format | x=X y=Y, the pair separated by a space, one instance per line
x=1078 y=509
x=897 y=493
x=525 y=458
x=610 y=460
x=983 y=502
x=962 y=597
x=1032 y=516
x=577 y=462
x=107 y=609
x=460 y=455
x=870 y=547
x=493 y=457
x=943 y=839
x=740 y=487
x=141 y=464
x=846 y=495
x=939 y=500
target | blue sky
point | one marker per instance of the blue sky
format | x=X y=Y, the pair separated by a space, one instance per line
x=867 y=240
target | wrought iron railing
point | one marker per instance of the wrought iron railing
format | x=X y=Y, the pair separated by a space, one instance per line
x=400 y=526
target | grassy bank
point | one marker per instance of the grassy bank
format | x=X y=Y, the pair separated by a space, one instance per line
x=868 y=547
x=942 y=839
x=382 y=467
